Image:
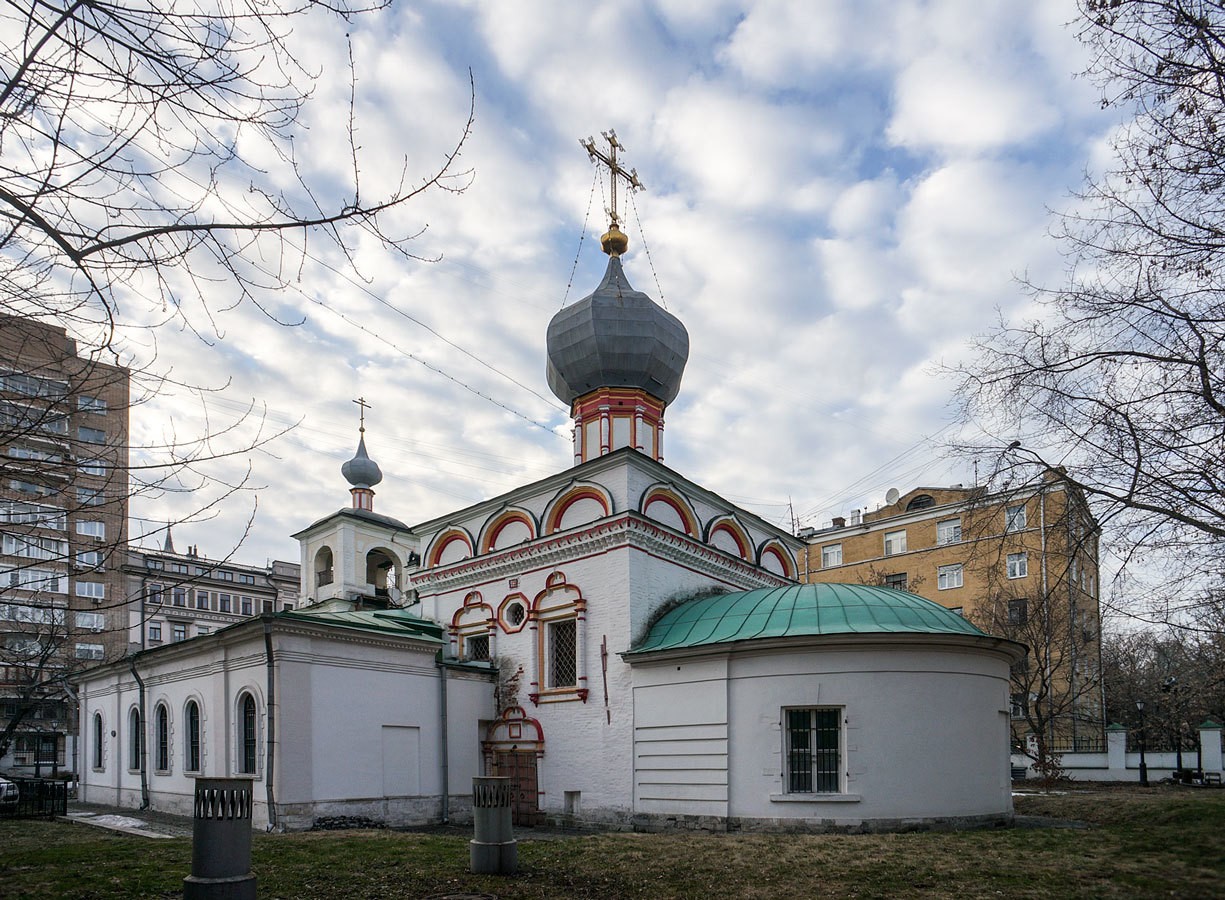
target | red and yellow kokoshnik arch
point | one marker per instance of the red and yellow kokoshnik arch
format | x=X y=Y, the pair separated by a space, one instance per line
x=554 y=516
x=499 y=524
x=732 y=528
x=677 y=503
x=774 y=548
x=443 y=541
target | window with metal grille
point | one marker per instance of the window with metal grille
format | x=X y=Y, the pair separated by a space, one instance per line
x=248 y=735
x=563 y=655
x=813 y=750
x=162 y=724
x=477 y=647
x=193 y=736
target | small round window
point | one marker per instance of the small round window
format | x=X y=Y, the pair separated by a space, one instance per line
x=515 y=614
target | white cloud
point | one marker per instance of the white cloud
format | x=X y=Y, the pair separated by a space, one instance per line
x=837 y=196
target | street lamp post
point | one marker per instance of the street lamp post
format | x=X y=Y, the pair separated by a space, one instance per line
x=1143 y=764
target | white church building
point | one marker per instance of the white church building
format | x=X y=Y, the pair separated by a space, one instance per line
x=632 y=649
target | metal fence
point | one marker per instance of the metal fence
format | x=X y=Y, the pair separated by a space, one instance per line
x=37 y=798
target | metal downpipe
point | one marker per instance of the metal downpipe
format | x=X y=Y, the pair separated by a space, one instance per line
x=144 y=749
x=269 y=768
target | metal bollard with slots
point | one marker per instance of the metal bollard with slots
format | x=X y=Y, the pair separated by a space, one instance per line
x=493 y=847
x=221 y=841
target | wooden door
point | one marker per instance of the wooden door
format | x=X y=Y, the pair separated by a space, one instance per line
x=520 y=767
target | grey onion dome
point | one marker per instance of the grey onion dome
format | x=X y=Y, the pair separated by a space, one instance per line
x=361 y=471
x=616 y=337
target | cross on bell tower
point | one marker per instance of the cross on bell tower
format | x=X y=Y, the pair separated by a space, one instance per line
x=614 y=240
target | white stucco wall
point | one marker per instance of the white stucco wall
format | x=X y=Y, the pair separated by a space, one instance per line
x=358 y=729
x=924 y=733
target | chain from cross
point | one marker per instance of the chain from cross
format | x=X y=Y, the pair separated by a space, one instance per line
x=361 y=402
x=614 y=168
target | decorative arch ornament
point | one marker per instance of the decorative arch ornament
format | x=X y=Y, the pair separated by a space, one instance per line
x=503 y=520
x=776 y=550
x=558 y=621
x=474 y=619
x=730 y=525
x=555 y=512
x=444 y=540
x=514 y=730
x=666 y=494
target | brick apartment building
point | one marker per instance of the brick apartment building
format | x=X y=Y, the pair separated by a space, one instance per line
x=1020 y=562
x=63 y=528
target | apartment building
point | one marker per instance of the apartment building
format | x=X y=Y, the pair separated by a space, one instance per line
x=177 y=596
x=1020 y=562
x=63 y=527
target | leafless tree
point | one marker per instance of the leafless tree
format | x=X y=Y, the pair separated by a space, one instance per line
x=154 y=170
x=1121 y=375
x=1030 y=558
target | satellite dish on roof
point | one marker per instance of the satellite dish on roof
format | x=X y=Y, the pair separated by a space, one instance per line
x=891 y=496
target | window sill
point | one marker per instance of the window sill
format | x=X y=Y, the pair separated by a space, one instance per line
x=815 y=798
x=559 y=695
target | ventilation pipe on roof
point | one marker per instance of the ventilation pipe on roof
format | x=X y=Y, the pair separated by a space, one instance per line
x=856 y=517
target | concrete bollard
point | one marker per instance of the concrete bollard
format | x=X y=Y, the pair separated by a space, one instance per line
x=221 y=841
x=493 y=846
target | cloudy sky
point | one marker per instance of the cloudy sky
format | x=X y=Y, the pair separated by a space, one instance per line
x=839 y=195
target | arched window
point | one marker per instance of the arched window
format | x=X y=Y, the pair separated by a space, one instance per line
x=134 y=739
x=191 y=717
x=161 y=725
x=97 y=740
x=247 y=735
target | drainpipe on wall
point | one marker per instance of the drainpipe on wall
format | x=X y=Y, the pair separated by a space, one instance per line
x=144 y=744
x=446 y=768
x=270 y=766
x=82 y=727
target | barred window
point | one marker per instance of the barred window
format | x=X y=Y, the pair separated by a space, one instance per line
x=563 y=653
x=476 y=648
x=813 y=740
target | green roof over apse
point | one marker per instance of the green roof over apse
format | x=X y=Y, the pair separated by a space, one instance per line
x=800 y=610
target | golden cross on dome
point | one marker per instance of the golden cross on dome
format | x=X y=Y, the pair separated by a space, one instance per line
x=361 y=401
x=614 y=242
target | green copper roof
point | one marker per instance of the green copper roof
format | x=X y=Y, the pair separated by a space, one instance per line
x=805 y=609
x=387 y=621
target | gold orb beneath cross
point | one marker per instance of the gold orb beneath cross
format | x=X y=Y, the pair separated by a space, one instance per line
x=614 y=241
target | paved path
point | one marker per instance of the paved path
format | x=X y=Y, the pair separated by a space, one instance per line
x=145 y=823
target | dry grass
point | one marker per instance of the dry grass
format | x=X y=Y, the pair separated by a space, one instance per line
x=1165 y=841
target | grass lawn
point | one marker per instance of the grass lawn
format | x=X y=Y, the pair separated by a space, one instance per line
x=1166 y=841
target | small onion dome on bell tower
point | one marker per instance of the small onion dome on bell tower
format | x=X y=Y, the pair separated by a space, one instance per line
x=361 y=471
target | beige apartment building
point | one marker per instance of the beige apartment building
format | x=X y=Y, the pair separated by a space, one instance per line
x=63 y=530
x=176 y=596
x=1020 y=562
